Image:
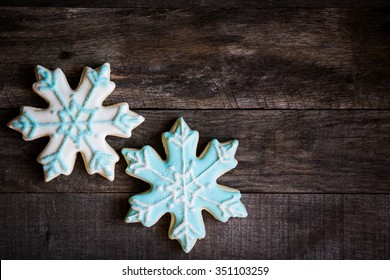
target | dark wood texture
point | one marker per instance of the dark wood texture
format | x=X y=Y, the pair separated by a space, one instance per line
x=303 y=85
x=205 y=57
x=198 y=3
x=280 y=226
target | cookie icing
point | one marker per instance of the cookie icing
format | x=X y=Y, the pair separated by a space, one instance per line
x=76 y=121
x=183 y=184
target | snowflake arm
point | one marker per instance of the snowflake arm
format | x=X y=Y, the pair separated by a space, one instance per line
x=99 y=158
x=184 y=184
x=76 y=122
x=48 y=86
x=117 y=120
x=147 y=165
x=187 y=228
x=146 y=209
x=223 y=202
x=217 y=159
x=95 y=86
x=52 y=159
x=33 y=123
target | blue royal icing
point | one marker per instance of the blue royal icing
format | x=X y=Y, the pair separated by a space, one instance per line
x=76 y=121
x=184 y=184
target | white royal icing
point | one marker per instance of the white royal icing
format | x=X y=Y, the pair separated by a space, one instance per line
x=76 y=122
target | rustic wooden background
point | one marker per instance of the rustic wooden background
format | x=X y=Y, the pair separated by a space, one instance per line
x=303 y=85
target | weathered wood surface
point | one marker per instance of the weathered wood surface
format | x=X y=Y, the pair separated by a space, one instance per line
x=316 y=183
x=303 y=151
x=205 y=57
x=279 y=226
x=365 y=239
x=197 y=3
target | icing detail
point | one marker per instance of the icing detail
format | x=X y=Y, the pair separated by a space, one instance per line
x=76 y=121
x=184 y=184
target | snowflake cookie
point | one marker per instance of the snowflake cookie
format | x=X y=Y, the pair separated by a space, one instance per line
x=76 y=121
x=184 y=184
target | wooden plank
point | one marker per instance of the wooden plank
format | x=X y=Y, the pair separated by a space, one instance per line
x=328 y=151
x=367 y=226
x=205 y=57
x=197 y=3
x=91 y=226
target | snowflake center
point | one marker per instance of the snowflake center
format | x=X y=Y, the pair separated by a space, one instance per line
x=185 y=187
x=76 y=122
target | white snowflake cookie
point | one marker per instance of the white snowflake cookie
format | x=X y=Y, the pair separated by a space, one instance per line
x=76 y=121
x=183 y=184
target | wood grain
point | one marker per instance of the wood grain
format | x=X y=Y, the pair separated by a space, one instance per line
x=315 y=178
x=205 y=58
x=43 y=226
x=279 y=226
x=197 y=3
x=366 y=226
x=329 y=151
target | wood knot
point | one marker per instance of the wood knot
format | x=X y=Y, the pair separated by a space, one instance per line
x=64 y=55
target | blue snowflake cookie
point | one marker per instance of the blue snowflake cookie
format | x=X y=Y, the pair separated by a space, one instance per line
x=183 y=184
x=76 y=121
